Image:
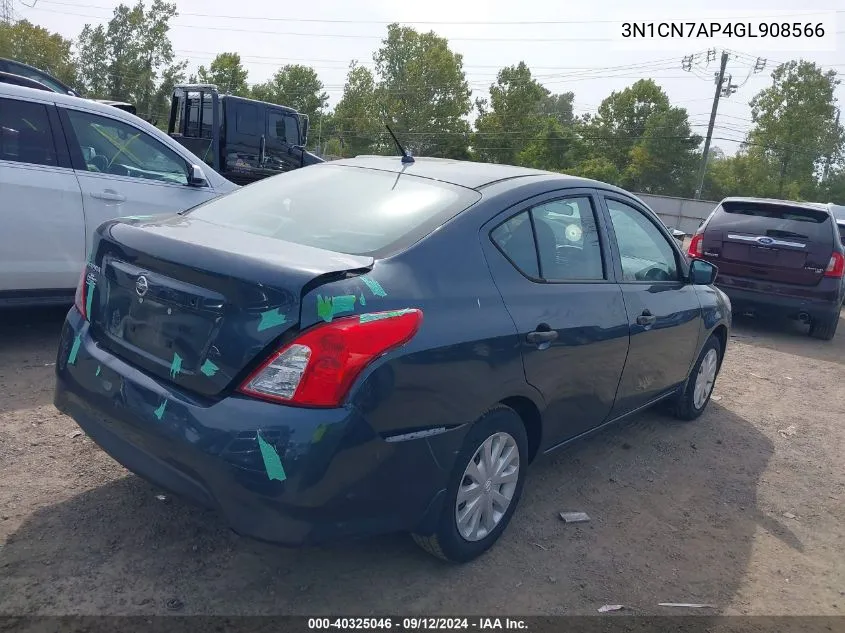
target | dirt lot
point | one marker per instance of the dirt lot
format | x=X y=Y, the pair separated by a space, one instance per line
x=743 y=509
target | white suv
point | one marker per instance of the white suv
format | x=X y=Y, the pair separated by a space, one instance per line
x=67 y=165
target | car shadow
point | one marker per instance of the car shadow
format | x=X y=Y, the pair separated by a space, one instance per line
x=29 y=339
x=790 y=337
x=673 y=513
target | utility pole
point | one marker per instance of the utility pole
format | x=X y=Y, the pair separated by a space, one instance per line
x=720 y=78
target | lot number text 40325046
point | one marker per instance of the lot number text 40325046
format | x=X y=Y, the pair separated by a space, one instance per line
x=417 y=624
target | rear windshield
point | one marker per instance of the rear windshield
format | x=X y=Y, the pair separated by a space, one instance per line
x=342 y=209
x=777 y=220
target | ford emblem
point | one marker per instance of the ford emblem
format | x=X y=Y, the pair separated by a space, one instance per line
x=765 y=240
x=141 y=286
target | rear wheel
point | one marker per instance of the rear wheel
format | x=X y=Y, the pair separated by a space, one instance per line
x=824 y=328
x=692 y=402
x=484 y=488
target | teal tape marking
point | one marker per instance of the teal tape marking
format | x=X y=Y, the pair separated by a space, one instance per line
x=378 y=316
x=271 y=318
x=328 y=307
x=362 y=300
x=89 y=296
x=74 y=350
x=272 y=461
x=343 y=303
x=374 y=286
x=160 y=411
x=175 y=366
x=97 y=373
x=209 y=368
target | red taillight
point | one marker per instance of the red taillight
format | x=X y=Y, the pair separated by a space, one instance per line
x=836 y=266
x=695 y=246
x=79 y=299
x=318 y=368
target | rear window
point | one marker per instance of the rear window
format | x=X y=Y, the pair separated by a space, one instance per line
x=776 y=220
x=342 y=209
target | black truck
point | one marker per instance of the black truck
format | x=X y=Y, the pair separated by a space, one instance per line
x=242 y=139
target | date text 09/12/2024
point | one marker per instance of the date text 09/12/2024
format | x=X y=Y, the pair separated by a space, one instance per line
x=416 y=624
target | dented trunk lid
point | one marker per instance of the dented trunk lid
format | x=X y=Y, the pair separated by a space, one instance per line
x=198 y=304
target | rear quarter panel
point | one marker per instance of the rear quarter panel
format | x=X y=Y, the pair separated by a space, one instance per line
x=465 y=357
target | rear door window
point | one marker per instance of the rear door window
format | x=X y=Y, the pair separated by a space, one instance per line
x=25 y=133
x=342 y=209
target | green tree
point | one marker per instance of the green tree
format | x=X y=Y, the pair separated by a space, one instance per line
x=554 y=148
x=356 y=117
x=598 y=168
x=514 y=117
x=423 y=92
x=127 y=58
x=795 y=125
x=36 y=46
x=294 y=86
x=559 y=107
x=227 y=73
x=665 y=159
x=648 y=141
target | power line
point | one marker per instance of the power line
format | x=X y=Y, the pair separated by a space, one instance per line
x=430 y=22
x=230 y=29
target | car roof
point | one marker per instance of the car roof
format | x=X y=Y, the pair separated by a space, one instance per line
x=63 y=99
x=464 y=173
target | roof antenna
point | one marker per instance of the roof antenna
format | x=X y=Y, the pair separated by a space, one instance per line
x=406 y=157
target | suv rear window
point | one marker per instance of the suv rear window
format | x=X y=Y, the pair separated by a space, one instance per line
x=777 y=220
x=339 y=208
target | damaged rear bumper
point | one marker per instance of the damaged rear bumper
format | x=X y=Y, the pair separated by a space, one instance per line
x=320 y=475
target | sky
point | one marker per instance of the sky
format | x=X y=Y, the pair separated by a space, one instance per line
x=569 y=46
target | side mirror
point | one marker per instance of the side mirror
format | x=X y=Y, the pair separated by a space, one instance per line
x=702 y=273
x=196 y=177
x=304 y=142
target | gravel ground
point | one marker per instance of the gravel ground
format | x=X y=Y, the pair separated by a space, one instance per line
x=742 y=509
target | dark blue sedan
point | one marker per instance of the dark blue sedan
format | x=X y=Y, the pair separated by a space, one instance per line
x=368 y=346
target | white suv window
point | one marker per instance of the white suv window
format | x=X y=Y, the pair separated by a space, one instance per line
x=113 y=147
x=25 y=134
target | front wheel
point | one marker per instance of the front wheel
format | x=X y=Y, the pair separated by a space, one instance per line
x=484 y=488
x=692 y=402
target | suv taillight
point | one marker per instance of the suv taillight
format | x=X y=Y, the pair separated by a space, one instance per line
x=695 y=246
x=318 y=368
x=836 y=266
x=79 y=298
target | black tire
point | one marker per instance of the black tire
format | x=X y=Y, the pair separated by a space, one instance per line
x=824 y=328
x=446 y=542
x=684 y=407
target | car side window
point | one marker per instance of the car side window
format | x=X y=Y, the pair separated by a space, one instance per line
x=568 y=240
x=515 y=238
x=25 y=133
x=113 y=147
x=646 y=253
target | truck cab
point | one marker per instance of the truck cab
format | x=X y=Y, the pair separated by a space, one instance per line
x=242 y=139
